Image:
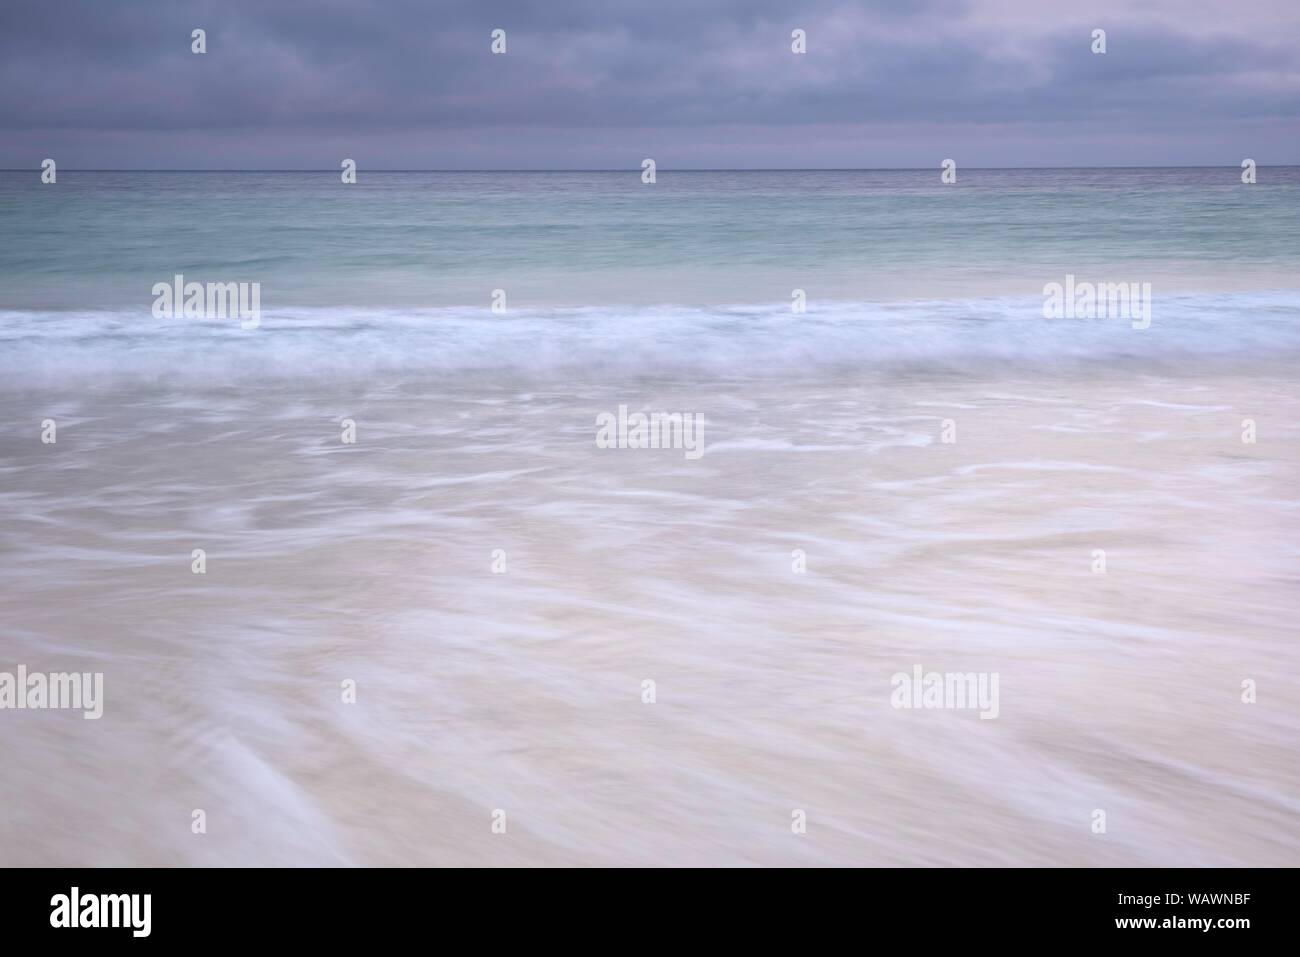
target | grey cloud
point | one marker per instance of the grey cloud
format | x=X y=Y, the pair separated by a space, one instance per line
x=90 y=75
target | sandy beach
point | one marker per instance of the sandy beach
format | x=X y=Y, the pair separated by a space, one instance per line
x=499 y=588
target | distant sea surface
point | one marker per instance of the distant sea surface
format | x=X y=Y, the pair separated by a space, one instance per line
x=601 y=272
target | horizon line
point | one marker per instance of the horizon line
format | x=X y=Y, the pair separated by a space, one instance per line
x=637 y=169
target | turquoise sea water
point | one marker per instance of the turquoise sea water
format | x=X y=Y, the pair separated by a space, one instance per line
x=919 y=470
x=600 y=270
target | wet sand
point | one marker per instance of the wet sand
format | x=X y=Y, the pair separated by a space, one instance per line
x=522 y=690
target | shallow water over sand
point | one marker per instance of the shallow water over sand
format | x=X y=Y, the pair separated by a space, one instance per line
x=522 y=690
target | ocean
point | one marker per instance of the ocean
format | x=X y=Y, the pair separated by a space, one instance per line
x=397 y=484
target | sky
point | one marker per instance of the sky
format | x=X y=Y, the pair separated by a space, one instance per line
x=603 y=84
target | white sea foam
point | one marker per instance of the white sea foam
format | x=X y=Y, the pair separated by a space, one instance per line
x=89 y=346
